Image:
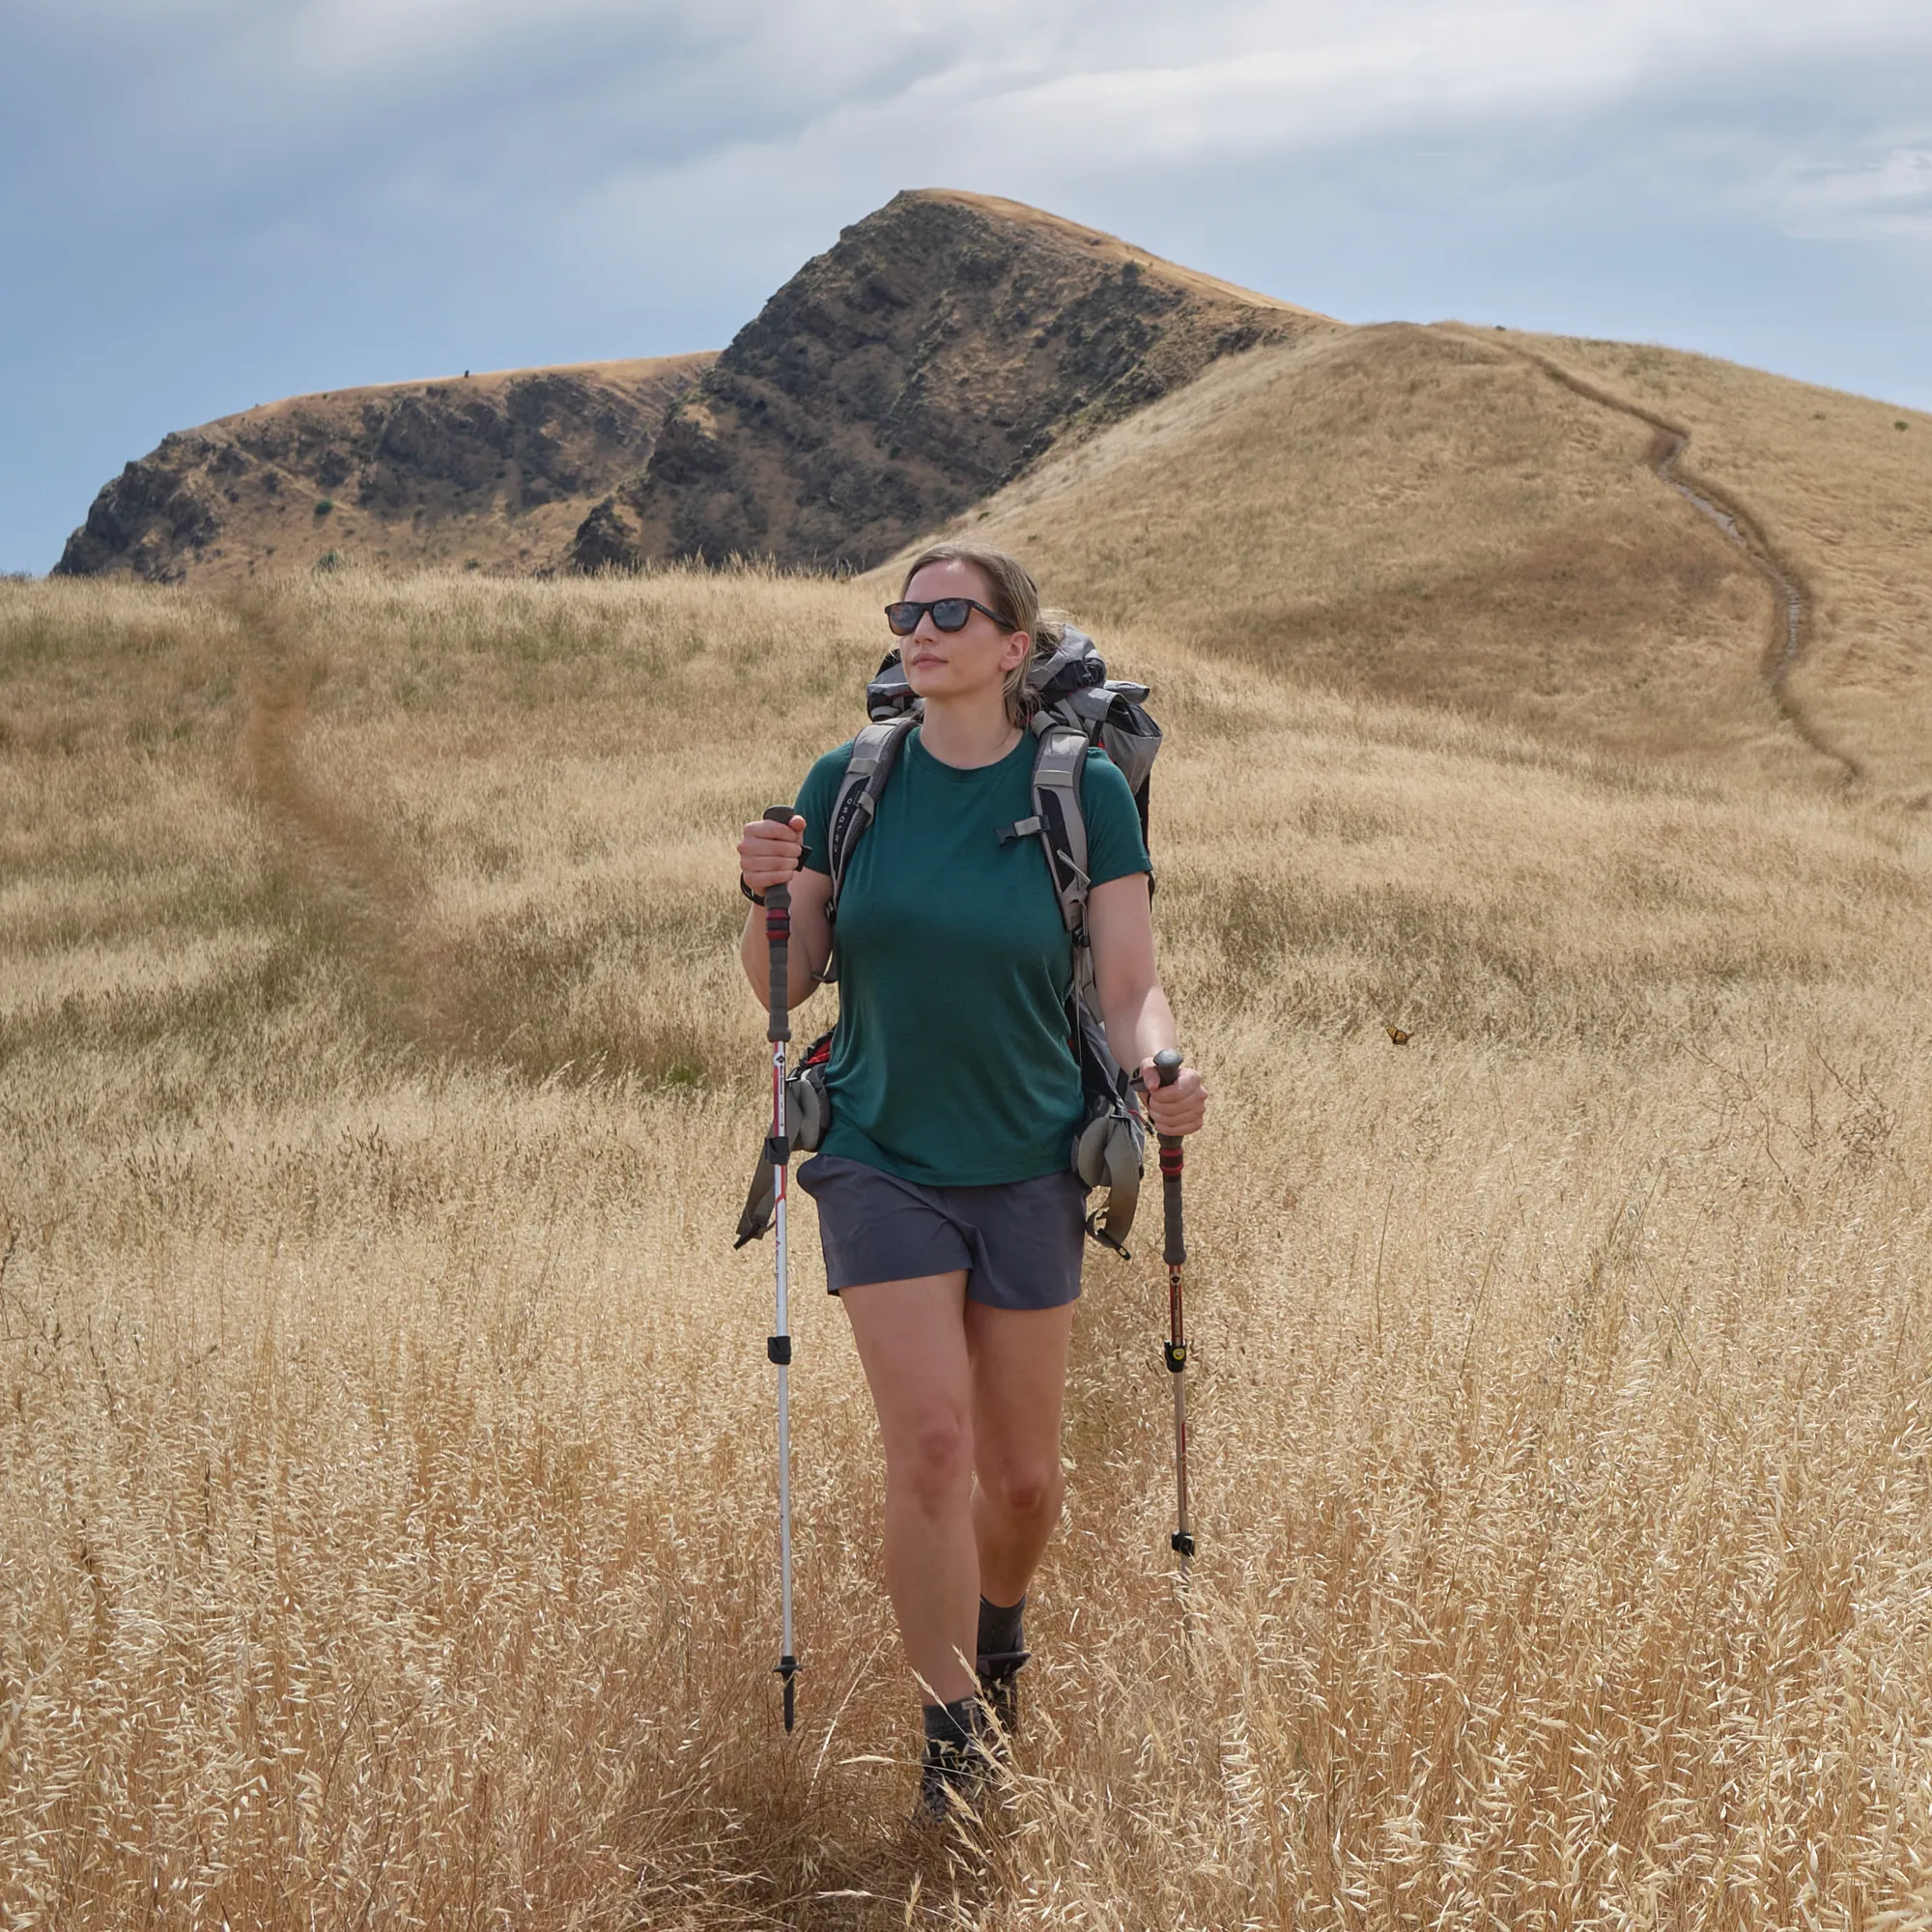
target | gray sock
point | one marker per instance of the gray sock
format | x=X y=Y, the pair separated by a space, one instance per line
x=1000 y=1627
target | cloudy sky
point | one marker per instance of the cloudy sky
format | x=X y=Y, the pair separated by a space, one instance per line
x=212 y=202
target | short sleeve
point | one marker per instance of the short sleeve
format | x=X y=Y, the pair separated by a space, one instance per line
x=1114 y=847
x=816 y=797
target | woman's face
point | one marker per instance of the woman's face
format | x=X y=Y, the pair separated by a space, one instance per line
x=956 y=664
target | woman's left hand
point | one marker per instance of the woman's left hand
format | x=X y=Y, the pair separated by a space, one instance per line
x=1176 y=1109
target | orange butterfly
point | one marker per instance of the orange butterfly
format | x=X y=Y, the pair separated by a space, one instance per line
x=1398 y=1035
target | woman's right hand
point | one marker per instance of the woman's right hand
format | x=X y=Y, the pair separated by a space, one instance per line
x=769 y=853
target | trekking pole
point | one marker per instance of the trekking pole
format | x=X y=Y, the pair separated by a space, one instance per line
x=777 y=1151
x=1174 y=1252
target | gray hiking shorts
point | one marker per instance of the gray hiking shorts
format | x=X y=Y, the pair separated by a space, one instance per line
x=1019 y=1242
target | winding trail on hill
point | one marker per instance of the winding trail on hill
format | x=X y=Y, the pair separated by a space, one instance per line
x=1741 y=528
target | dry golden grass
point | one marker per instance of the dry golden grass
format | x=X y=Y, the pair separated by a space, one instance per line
x=388 y=1527
x=1116 y=253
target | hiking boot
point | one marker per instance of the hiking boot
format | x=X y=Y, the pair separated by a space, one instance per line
x=999 y=1691
x=953 y=1780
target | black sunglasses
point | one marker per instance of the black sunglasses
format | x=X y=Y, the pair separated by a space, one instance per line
x=949 y=613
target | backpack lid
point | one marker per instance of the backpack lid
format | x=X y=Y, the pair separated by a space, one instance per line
x=1074 y=666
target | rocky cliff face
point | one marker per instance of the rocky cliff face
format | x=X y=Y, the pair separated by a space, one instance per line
x=943 y=343
x=497 y=470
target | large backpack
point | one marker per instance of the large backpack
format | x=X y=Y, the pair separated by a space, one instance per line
x=1079 y=707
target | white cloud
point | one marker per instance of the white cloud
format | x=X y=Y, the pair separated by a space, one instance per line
x=1318 y=76
x=236 y=89
x=1884 y=196
x=1073 y=95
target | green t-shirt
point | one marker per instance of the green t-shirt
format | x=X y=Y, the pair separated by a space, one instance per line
x=951 y=1064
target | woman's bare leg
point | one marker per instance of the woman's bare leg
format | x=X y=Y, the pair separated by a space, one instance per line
x=1018 y=1387
x=912 y=1343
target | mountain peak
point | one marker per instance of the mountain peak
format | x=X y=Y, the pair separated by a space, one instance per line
x=936 y=349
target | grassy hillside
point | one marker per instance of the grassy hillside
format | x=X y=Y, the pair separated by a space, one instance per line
x=1427 y=514
x=388 y=1532
x=1841 y=487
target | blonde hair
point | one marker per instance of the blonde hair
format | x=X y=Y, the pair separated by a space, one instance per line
x=1012 y=592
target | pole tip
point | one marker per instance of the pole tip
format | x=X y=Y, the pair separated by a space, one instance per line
x=787 y=1668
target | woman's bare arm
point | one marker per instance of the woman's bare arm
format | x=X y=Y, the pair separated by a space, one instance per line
x=1139 y=1022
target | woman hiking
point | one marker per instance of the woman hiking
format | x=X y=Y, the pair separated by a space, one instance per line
x=950 y=1219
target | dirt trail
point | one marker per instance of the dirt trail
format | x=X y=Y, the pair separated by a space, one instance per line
x=1669 y=442
x=351 y=874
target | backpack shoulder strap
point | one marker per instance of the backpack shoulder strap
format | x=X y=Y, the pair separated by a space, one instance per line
x=1057 y=767
x=874 y=750
x=1107 y=1146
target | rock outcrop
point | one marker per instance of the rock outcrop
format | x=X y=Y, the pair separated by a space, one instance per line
x=943 y=345
x=495 y=470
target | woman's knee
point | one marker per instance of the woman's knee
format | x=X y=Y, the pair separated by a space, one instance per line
x=933 y=1462
x=1027 y=1488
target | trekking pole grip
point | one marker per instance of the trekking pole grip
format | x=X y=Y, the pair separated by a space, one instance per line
x=778 y=936
x=1167 y=1067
